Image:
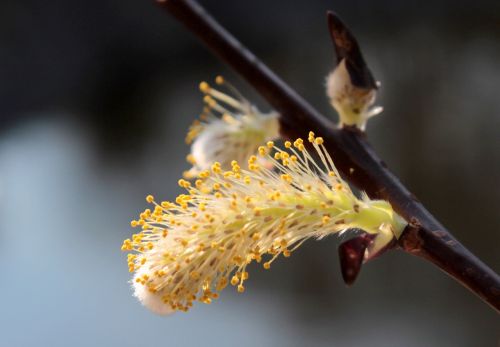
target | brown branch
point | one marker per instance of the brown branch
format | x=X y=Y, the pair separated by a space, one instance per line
x=355 y=158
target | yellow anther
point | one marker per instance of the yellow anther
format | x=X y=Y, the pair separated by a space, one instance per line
x=204 y=87
x=288 y=144
x=127 y=245
x=204 y=174
x=221 y=284
x=241 y=288
x=270 y=144
x=319 y=141
x=219 y=80
x=183 y=183
x=298 y=142
x=190 y=159
x=311 y=137
x=262 y=151
x=209 y=101
x=150 y=198
x=216 y=167
x=267 y=265
x=166 y=204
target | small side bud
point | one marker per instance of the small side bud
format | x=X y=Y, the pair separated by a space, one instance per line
x=351 y=86
x=351 y=255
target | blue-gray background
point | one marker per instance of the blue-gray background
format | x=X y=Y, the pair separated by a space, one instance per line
x=95 y=98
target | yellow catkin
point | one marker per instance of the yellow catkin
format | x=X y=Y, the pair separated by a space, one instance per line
x=190 y=249
x=230 y=127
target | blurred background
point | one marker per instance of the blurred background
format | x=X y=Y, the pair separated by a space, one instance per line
x=95 y=100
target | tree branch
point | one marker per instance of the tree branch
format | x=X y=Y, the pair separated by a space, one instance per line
x=354 y=157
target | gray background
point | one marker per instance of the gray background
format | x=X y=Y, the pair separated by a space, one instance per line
x=95 y=99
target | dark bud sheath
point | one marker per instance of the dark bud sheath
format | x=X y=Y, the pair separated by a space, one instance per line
x=346 y=47
x=351 y=255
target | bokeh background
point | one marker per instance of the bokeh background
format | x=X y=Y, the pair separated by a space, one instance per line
x=95 y=99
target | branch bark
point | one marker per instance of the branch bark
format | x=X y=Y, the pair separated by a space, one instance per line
x=424 y=237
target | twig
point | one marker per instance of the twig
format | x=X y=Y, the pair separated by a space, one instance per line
x=355 y=158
